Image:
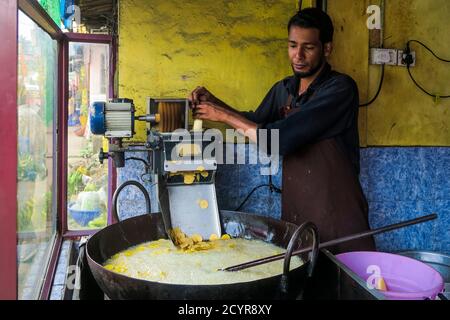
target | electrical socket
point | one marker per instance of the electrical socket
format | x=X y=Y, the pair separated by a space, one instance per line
x=392 y=57
x=401 y=56
x=383 y=56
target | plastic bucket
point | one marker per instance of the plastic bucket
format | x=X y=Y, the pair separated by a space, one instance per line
x=405 y=278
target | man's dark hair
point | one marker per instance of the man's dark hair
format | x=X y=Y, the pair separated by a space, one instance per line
x=314 y=18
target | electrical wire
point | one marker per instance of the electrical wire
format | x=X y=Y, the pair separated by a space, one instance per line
x=425 y=91
x=378 y=91
x=271 y=186
x=141 y=160
x=423 y=45
x=147 y=168
x=408 y=60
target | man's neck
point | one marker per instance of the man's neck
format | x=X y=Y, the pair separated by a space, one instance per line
x=306 y=82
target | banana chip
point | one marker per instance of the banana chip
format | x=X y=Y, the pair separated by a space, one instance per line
x=194 y=242
x=203 y=204
x=204 y=174
x=196 y=238
x=189 y=178
x=213 y=237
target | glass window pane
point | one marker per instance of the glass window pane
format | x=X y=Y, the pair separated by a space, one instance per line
x=37 y=104
x=87 y=183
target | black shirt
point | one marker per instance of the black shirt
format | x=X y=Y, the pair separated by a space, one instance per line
x=328 y=109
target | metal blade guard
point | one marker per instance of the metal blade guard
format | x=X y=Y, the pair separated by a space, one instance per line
x=187 y=192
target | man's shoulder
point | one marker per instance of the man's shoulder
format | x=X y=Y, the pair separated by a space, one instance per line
x=283 y=85
x=341 y=79
x=285 y=81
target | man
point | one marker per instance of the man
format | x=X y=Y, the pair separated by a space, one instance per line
x=316 y=113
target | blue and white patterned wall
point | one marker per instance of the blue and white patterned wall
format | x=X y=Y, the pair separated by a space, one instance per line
x=400 y=183
x=403 y=183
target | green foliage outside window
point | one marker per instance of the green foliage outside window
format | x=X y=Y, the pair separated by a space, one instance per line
x=52 y=8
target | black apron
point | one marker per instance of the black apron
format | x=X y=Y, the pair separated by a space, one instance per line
x=320 y=185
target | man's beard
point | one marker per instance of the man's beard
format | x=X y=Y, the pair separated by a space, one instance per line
x=311 y=72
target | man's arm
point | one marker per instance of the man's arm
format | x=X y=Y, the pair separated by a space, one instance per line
x=266 y=112
x=324 y=116
x=268 y=109
x=212 y=112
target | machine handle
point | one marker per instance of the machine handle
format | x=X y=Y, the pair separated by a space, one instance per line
x=120 y=188
x=306 y=226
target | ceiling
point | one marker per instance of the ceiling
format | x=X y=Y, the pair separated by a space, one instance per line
x=96 y=14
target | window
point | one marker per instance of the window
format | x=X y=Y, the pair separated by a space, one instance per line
x=87 y=179
x=37 y=105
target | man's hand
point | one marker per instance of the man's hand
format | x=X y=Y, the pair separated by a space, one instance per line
x=210 y=111
x=207 y=107
x=200 y=95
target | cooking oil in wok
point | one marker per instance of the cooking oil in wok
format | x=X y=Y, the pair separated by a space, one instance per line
x=162 y=261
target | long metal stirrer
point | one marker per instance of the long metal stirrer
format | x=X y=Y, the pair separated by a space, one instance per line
x=330 y=243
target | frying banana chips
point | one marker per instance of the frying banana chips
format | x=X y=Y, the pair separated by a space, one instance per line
x=194 y=242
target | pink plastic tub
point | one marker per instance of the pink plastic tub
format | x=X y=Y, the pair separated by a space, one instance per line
x=405 y=278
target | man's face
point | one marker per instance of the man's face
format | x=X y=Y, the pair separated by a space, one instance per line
x=306 y=52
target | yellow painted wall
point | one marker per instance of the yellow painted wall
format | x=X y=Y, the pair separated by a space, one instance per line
x=238 y=49
x=402 y=115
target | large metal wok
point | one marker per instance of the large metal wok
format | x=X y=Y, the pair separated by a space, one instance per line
x=133 y=231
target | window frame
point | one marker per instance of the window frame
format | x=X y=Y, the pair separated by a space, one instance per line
x=8 y=130
x=8 y=170
x=112 y=177
x=9 y=249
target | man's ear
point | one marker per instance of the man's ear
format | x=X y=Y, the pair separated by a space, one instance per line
x=327 y=49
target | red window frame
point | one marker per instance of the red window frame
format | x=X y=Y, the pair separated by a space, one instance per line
x=8 y=131
x=8 y=169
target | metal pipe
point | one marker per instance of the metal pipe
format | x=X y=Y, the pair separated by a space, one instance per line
x=119 y=189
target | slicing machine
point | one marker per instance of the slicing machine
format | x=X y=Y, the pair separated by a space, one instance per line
x=177 y=163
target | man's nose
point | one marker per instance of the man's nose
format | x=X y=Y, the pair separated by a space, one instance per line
x=300 y=53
